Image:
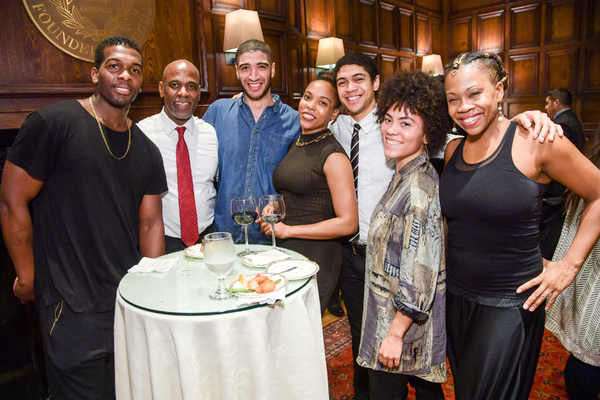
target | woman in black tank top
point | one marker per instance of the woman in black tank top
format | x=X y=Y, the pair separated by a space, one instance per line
x=491 y=196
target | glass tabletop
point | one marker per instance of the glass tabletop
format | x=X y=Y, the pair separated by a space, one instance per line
x=185 y=288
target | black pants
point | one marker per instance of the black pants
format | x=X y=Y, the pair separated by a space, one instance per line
x=493 y=351
x=387 y=386
x=352 y=285
x=79 y=352
x=582 y=380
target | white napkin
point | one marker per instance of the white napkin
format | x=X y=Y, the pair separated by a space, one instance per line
x=268 y=298
x=154 y=265
x=265 y=257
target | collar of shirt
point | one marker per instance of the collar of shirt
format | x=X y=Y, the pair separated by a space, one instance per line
x=560 y=112
x=277 y=103
x=169 y=125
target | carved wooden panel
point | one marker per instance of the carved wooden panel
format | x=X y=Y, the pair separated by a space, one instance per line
x=344 y=20
x=457 y=6
x=225 y=5
x=301 y=68
x=226 y=83
x=423 y=35
x=460 y=36
x=276 y=40
x=389 y=65
x=438 y=39
x=560 y=65
x=432 y=5
x=590 y=112
x=592 y=70
x=525 y=26
x=560 y=22
x=407 y=64
x=523 y=74
x=296 y=22
x=272 y=9
x=513 y=108
x=317 y=23
x=593 y=14
x=407 y=36
x=491 y=31
x=368 y=23
x=387 y=23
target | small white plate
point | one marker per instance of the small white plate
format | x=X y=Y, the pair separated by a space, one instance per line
x=194 y=251
x=302 y=268
x=281 y=285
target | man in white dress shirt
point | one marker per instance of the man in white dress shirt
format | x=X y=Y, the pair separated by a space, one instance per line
x=180 y=88
x=357 y=78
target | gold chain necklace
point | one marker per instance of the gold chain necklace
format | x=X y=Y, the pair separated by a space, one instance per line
x=104 y=137
x=318 y=139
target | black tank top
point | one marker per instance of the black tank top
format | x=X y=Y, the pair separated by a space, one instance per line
x=493 y=215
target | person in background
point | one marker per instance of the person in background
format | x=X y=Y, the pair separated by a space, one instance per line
x=188 y=146
x=254 y=132
x=496 y=280
x=558 y=103
x=315 y=179
x=403 y=329
x=574 y=318
x=94 y=182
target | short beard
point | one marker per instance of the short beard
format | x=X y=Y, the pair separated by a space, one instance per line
x=263 y=94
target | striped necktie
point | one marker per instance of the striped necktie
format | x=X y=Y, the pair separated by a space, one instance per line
x=354 y=162
x=185 y=192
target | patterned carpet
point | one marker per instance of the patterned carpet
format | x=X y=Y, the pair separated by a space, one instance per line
x=548 y=384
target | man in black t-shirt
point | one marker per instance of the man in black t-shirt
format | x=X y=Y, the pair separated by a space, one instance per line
x=93 y=182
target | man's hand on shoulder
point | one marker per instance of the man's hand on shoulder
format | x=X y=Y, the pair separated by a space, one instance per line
x=539 y=124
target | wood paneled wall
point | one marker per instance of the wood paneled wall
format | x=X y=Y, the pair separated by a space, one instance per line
x=545 y=44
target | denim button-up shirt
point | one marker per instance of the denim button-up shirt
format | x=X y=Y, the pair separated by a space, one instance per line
x=249 y=151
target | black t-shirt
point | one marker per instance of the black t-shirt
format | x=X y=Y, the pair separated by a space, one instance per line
x=86 y=216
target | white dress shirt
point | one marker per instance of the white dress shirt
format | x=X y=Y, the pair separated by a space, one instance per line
x=201 y=140
x=375 y=170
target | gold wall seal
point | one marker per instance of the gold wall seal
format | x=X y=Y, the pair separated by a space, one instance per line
x=77 y=26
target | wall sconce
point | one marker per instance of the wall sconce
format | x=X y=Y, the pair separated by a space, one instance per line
x=330 y=50
x=432 y=65
x=240 y=25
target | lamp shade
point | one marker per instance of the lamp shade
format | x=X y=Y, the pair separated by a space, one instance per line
x=241 y=25
x=330 y=50
x=432 y=65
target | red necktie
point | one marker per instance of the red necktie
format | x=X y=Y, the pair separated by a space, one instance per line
x=185 y=186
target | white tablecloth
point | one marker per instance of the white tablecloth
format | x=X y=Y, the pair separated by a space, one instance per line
x=269 y=352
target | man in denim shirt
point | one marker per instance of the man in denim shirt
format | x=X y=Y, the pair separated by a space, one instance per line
x=254 y=133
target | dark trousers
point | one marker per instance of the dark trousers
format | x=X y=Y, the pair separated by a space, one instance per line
x=79 y=352
x=352 y=285
x=493 y=351
x=582 y=380
x=387 y=386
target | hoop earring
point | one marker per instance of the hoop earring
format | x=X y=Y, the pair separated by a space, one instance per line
x=500 y=115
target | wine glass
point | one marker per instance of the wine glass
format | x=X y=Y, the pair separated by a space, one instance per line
x=244 y=211
x=272 y=211
x=219 y=257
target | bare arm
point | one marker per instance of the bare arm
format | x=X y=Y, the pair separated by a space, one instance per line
x=562 y=161
x=152 y=230
x=17 y=190
x=539 y=124
x=391 y=347
x=338 y=172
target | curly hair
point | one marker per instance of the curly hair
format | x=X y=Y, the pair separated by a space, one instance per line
x=114 y=41
x=490 y=61
x=424 y=96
